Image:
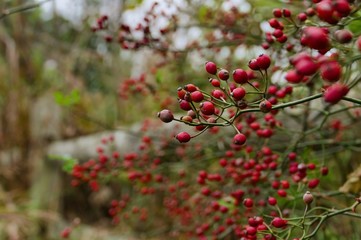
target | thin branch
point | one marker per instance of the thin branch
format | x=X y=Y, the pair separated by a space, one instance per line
x=21 y=8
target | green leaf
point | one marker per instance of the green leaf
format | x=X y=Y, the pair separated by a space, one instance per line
x=158 y=77
x=68 y=162
x=227 y=202
x=67 y=100
x=132 y=4
x=202 y=13
x=355 y=27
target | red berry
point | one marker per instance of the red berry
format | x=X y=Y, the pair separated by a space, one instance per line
x=277 y=12
x=262 y=227
x=285 y=184
x=223 y=162
x=310 y=12
x=202 y=174
x=311 y=166
x=342 y=7
x=252 y=64
x=324 y=171
x=251 y=230
x=288 y=89
x=286 y=12
x=272 y=201
x=183 y=137
x=207 y=108
x=206 y=191
x=223 y=74
x=94 y=185
x=279 y=222
x=269 y=38
x=223 y=209
x=265 y=106
x=282 y=39
x=265 y=46
x=166 y=115
x=307 y=198
x=240 y=76
x=272 y=89
x=184 y=105
x=215 y=82
x=218 y=94
x=343 y=36
x=253 y=222
x=66 y=232
x=197 y=96
x=335 y=93
x=325 y=12
x=211 y=68
x=187 y=119
x=190 y=87
x=302 y=17
x=248 y=203
x=306 y=66
x=277 y=33
x=316 y=38
x=251 y=75
x=239 y=139
x=238 y=93
x=292 y=76
x=282 y=193
x=263 y=61
x=313 y=183
x=274 y=23
x=181 y=93
x=108 y=38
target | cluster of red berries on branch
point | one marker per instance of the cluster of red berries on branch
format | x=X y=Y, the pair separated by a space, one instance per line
x=320 y=60
x=327 y=72
x=152 y=32
x=224 y=105
x=244 y=195
x=243 y=184
x=135 y=86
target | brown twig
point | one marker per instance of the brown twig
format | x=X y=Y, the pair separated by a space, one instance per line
x=21 y=8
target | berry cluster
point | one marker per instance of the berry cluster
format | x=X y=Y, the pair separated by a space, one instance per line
x=210 y=207
x=225 y=104
x=134 y=86
x=90 y=171
x=162 y=21
x=248 y=100
x=241 y=184
x=304 y=37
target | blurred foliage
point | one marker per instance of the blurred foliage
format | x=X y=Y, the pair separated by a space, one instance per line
x=67 y=162
x=67 y=99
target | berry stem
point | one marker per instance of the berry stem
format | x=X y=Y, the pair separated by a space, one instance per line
x=249 y=83
x=266 y=84
x=296 y=102
x=328 y=215
x=304 y=217
x=354 y=100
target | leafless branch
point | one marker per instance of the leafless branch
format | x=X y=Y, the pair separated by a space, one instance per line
x=21 y=8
